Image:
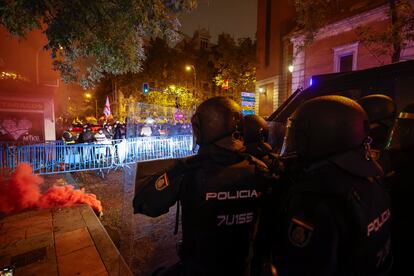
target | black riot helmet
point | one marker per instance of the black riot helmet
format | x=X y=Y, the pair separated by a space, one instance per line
x=379 y=108
x=215 y=119
x=324 y=126
x=402 y=134
x=255 y=129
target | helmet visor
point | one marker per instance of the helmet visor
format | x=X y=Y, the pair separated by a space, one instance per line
x=402 y=133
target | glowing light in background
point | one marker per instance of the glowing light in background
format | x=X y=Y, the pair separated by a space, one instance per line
x=178 y=116
x=225 y=84
x=310 y=81
x=248 y=102
x=11 y=76
x=290 y=68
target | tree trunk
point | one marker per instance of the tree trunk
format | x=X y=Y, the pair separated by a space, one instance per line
x=395 y=32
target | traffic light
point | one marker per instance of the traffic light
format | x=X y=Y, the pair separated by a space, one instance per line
x=145 y=88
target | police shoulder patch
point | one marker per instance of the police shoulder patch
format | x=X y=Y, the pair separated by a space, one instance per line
x=375 y=154
x=300 y=232
x=162 y=182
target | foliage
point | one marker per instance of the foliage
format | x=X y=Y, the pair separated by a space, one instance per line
x=78 y=107
x=398 y=34
x=172 y=96
x=89 y=39
x=314 y=14
x=235 y=63
x=163 y=66
x=172 y=85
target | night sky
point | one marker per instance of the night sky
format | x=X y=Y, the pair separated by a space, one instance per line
x=236 y=17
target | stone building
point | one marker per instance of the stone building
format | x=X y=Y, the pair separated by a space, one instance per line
x=337 y=47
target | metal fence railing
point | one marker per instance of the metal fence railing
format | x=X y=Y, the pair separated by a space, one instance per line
x=56 y=157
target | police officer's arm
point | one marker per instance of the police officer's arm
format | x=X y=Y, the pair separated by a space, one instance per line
x=312 y=244
x=158 y=192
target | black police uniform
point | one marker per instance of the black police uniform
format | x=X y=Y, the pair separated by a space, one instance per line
x=401 y=193
x=258 y=149
x=220 y=191
x=337 y=222
x=336 y=216
x=400 y=148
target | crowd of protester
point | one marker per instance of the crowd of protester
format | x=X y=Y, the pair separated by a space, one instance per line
x=105 y=133
x=142 y=128
x=159 y=126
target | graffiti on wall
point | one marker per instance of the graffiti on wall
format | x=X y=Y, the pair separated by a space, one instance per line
x=22 y=127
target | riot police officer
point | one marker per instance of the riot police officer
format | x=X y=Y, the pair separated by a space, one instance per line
x=219 y=190
x=255 y=133
x=336 y=216
x=381 y=111
x=400 y=147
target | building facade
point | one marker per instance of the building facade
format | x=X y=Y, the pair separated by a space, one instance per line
x=26 y=116
x=275 y=20
x=30 y=90
x=337 y=47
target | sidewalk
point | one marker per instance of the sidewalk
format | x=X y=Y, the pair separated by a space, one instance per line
x=70 y=241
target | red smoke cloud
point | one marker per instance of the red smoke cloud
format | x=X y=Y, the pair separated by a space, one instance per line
x=22 y=191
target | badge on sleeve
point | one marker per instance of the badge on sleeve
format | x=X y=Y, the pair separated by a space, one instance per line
x=299 y=232
x=375 y=154
x=162 y=182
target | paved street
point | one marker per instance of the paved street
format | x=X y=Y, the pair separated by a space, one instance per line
x=69 y=241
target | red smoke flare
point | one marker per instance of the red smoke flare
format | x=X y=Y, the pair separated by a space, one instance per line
x=66 y=196
x=22 y=191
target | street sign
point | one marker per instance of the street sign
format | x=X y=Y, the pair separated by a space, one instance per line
x=248 y=102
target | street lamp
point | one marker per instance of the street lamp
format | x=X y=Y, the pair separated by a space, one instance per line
x=189 y=68
x=89 y=96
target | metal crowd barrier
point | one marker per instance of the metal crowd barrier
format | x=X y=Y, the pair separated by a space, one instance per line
x=56 y=157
